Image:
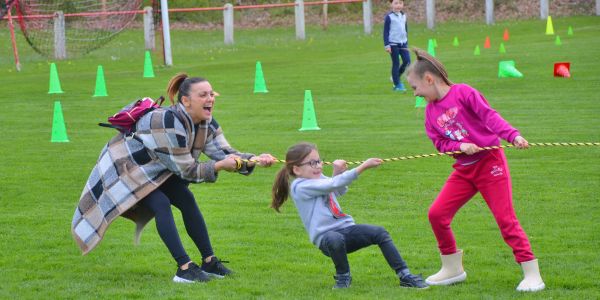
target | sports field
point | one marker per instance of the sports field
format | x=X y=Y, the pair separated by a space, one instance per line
x=556 y=189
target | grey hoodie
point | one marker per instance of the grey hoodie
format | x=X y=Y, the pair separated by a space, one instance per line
x=316 y=200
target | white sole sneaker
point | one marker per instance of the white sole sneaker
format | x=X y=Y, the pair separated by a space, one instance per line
x=214 y=275
x=181 y=280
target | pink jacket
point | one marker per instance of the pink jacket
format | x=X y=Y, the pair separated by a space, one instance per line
x=465 y=116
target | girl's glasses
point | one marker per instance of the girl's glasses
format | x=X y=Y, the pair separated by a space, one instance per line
x=312 y=163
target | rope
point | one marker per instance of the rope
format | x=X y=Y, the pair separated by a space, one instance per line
x=454 y=152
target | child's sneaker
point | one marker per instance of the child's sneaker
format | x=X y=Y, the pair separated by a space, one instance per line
x=190 y=275
x=342 y=281
x=413 y=281
x=400 y=87
x=215 y=268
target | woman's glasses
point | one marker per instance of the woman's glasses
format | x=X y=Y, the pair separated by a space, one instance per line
x=312 y=163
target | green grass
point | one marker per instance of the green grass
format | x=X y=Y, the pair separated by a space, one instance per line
x=555 y=189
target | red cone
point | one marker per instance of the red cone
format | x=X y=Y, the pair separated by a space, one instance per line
x=487 y=42
x=562 y=69
x=505 y=37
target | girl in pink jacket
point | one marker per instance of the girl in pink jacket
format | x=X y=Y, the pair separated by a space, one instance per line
x=459 y=118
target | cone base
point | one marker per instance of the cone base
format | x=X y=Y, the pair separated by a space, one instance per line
x=59 y=141
x=56 y=92
x=310 y=128
x=261 y=91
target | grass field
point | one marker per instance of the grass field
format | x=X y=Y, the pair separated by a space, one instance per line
x=556 y=190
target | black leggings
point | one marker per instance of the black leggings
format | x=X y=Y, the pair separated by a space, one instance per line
x=175 y=191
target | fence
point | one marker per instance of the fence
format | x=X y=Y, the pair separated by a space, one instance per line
x=228 y=20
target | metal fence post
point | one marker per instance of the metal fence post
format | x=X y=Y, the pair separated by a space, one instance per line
x=489 y=12
x=543 y=9
x=60 y=50
x=299 y=15
x=149 y=32
x=164 y=13
x=430 y=12
x=228 y=23
x=368 y=16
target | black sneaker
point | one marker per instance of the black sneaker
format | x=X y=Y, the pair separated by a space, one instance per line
x=413 y=281
x=342 y=281
x=216 y=268
x=192 y=274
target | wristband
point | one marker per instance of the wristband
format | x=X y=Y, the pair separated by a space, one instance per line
x=238 y=163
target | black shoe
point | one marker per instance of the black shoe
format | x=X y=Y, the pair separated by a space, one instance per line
x=342 y=281
x=413 y=281
x=192 y=274
x=216 y=268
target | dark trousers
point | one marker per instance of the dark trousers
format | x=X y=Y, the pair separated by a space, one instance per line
x=175 y=192
x=397 y=69
x=338 y=243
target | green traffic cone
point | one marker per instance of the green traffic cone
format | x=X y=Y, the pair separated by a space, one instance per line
x=507 y=69
x=100 y=84
x=420 y=102
x=259 y=80
x=477 y=51
x=431 y=47
x=54 y=81
x=59 y=131
x=148 y=69
x=309 y=118
x=455 y=42
x=570 y=31
x=435 y=43
x=557 y=41
x=502 y=50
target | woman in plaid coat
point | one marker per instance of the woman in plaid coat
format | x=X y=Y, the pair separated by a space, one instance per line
x=140 y=178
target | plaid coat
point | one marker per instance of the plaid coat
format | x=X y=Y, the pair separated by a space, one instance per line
x=128 y=169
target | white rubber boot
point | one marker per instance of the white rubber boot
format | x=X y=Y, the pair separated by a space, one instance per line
x=452 y=270
x=532 y=281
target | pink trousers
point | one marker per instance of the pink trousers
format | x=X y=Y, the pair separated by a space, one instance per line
x=490 y=177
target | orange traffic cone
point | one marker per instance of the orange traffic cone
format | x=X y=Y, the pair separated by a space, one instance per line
x=487 y=45
x=562 y=69
x=505 y=37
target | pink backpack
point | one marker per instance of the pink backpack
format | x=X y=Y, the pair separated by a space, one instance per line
x=126 y=118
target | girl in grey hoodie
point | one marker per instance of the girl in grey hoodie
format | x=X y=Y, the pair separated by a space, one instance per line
x=331 y=230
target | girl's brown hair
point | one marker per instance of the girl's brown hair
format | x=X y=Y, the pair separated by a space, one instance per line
x=281 y=187
x=427 y=63
x=180 y=85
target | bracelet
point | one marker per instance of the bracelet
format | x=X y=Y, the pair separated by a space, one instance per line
x=238 y=163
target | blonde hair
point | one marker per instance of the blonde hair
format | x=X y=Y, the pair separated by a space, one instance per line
x=427 y=63
x=281 y=187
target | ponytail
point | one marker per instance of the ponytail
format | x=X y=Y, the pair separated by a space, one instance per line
x=180 y=84
x=427 y=63
x=281 y=188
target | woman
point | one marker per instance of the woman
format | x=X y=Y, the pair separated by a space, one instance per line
x=140 y=178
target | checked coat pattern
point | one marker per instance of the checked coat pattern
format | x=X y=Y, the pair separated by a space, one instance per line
x=128 y=169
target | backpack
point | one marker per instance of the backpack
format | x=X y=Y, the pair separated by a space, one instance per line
x=125 y=120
